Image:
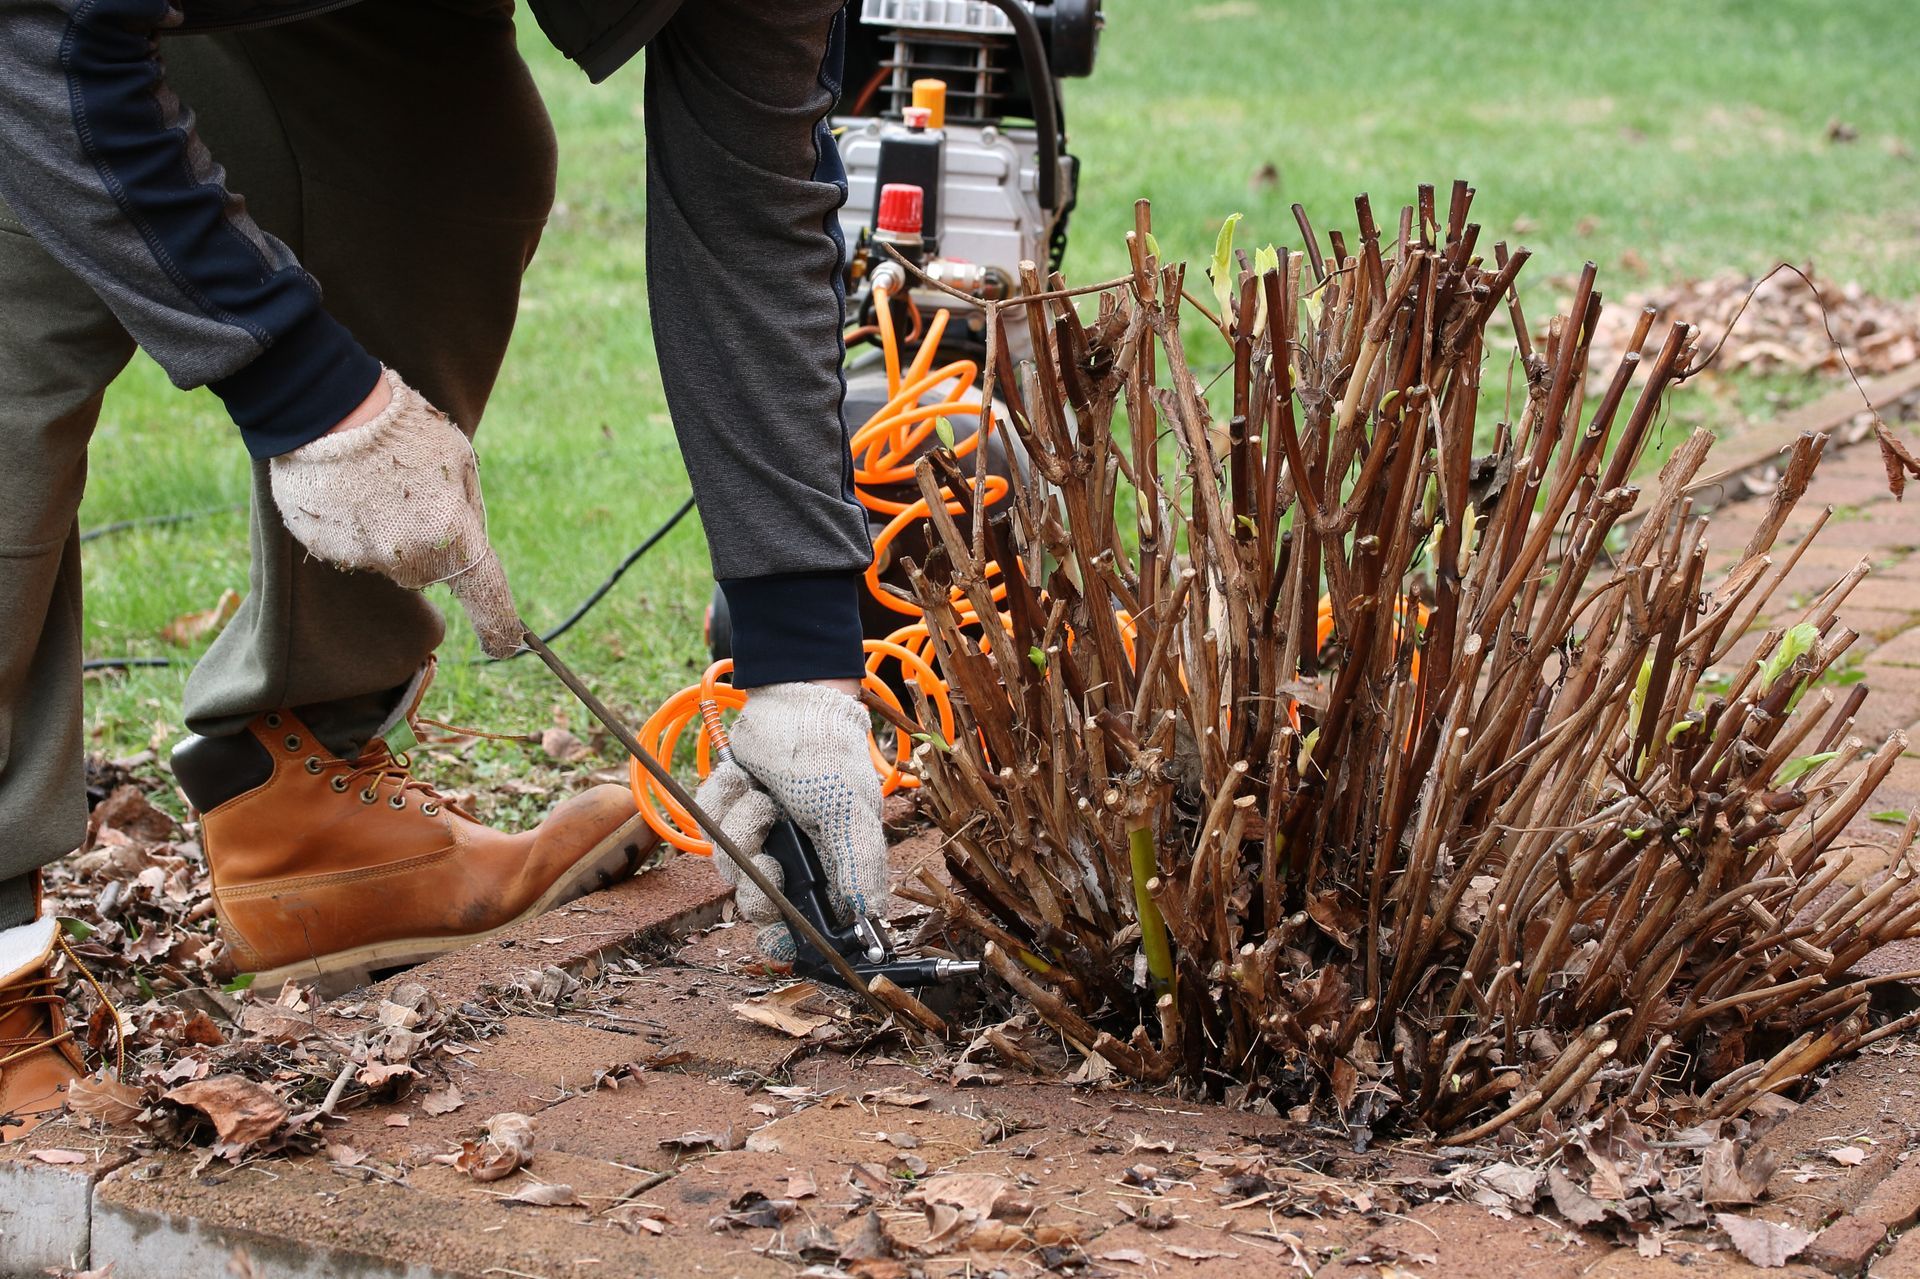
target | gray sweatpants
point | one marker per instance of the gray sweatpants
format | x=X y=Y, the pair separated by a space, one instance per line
x=401 y=150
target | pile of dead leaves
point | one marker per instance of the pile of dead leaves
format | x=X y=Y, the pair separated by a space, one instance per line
x=1781 y=331
x=1609 y=1176
x=264 y=1077
x=137 y=901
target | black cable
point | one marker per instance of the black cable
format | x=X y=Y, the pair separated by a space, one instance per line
x=633 y=557
x=121 y=663
x=157 y=521
x=1046 y=112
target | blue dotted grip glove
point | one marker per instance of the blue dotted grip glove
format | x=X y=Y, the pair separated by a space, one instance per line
x=801 y=749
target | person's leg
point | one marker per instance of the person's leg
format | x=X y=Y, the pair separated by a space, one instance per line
x=59 y=348
x=16 y=900
x=744 y=272
x=402 y=150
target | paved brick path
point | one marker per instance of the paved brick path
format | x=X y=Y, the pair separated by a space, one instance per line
x=1076 y=1157
x=1867 y=524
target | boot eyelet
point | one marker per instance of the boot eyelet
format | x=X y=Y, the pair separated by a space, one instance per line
x=368 y=795
x=340 y=785
x=398 y=801
x=273 y=721
x=293 y=741
x=313 y=763
x=430 y=808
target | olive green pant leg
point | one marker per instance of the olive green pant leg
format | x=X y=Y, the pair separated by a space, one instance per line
x=59 y=348
x=402 y=150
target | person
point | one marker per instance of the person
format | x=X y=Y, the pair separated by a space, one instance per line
x=321 y=211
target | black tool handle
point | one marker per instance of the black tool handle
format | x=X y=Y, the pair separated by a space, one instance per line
x=804 y=881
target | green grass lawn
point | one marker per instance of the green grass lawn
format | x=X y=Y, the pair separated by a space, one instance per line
x=1658 y=140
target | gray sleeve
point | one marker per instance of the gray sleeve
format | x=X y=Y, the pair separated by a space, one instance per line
x=744 y=277
x=99 y=160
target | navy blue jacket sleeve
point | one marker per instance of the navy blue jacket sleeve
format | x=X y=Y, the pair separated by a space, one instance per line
x=99 y=160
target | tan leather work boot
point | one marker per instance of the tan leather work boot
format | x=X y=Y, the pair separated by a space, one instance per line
x=38 y=1057
x=331 y=871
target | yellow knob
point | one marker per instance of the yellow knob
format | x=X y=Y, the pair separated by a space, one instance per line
x=932 y=94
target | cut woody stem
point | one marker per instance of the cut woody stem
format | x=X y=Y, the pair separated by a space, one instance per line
x=1393 y=732
x=1153 y=926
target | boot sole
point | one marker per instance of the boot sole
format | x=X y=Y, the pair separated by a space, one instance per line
x=613 y=859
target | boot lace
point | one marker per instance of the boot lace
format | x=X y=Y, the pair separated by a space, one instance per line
x=380 y=766
x=43 y=992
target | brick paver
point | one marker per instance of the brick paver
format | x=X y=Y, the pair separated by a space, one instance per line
x=1844 y=1246
x=1902 y=1261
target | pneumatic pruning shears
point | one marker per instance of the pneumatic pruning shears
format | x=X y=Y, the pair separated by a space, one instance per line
x=851 y=955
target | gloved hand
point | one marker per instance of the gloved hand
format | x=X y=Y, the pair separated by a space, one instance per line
x=807 y=745
x=400 y=495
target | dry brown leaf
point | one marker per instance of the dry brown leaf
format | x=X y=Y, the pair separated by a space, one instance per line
x=1573 y=1203
x=801 y=1185
x=508 y=1147
x=1094 y=1070
x=687 y=1142
x=895 y=1096
x=190 y=628
x=444 y=1102
x=1520 y=1186
x=273 y=1021
x=1765 y=1243
x=969 y=1075
x=1847 y=1156
x=1346 y=1082
x=201 y=1030
x=545 y=1195
x=60 y=1156
x=1896 y=458
x=782 y=1010
x=127 y=810
x=243 y=1112
x=1730 y=1176
x=108 y=1100
x=870 y=1242
x=870 y=1179
x=1005 y=1236
x=634 y=1217
x=973 y=1193
x=562 y=746
x=378 y=1073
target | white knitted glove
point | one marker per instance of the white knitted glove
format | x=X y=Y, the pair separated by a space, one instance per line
x=401 y=495
x=807 y=745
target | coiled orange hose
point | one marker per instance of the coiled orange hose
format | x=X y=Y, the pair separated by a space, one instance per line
x=662 y=733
